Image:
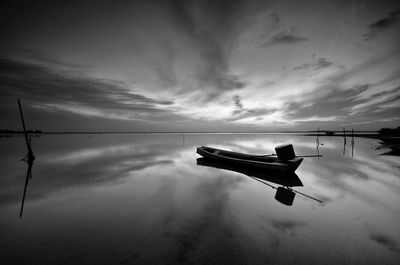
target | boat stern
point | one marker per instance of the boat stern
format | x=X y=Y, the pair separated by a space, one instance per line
x=296 y=163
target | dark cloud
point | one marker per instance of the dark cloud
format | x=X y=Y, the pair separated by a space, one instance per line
x=285 y=37
x=210 y=223
x=287 y=226
x=237 y=102
x=317 y=64
x=43 y=58
x=334 y=100
x=244 y=113
x=42 y=87
x=209 y=24
x=382 y=239
x=302 y=66
x=382 y=24
x=326 y=101
x=62 y=169
x=196 y=34
x=322 y=63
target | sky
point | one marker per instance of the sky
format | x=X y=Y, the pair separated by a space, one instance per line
x=191 y=65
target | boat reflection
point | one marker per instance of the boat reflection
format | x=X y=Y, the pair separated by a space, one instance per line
x=284 y=193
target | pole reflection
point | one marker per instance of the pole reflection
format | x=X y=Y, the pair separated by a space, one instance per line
x=29 y=161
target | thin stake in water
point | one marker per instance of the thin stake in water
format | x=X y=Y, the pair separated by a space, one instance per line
x=29 y=158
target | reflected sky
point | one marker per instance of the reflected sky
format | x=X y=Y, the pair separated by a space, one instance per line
x=142 y=199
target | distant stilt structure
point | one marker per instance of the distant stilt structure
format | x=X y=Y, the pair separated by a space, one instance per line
x=352 y=142
x=30 y=157
x=318 y=143
x=344 y=141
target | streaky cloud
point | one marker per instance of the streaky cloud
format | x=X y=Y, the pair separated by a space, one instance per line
x=286 y=37
x=71 y=91
x=316 y=64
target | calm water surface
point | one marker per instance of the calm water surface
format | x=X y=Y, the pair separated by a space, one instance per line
x=142 y=199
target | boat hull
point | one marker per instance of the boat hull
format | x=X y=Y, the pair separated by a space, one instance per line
x=265 y=162
x=287 y=179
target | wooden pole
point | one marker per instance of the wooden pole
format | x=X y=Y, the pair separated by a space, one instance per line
x=296 y=155
x=28 y=176
x=310 y=156
x=23 y=125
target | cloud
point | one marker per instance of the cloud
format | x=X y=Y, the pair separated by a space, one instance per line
x=322 y=63
x=382 y=238
x=206 y=219
x=381 y=25
x=243 y=114
x=325 y=101
x=74 y=92
x=287 y=226
x=86 y=167
x=331 y=103
x=185 y=59
x=35 y=55
x=285 y=37
x=207 y=26
x=250 y=115
x=302 y=66
x=316 y=64
x=238 y=104
x=364 y=95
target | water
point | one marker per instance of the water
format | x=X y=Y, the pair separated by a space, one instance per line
x=142 y=199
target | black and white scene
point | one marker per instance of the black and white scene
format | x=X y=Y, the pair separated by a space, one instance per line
x=200 y=132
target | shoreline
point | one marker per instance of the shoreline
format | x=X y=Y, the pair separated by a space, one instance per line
x=389 y=141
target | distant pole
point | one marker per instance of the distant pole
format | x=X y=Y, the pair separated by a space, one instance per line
x=23 y=125
x=352 y=142
x=318 y=144
x=344 y=141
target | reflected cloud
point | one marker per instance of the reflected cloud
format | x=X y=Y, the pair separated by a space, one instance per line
x=385 y=241
x=381 y=25
x=287 y=226
x=146 y=196
x=91 y=166
x=388 y=241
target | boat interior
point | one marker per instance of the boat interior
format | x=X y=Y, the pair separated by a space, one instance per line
x=239 y=155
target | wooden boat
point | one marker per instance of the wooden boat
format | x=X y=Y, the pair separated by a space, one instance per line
x=267 y=162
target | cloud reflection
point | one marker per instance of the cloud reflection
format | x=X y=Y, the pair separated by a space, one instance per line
x=146 y=197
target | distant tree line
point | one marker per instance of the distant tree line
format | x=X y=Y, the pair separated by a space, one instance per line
x=14 y=131
x=390 y=131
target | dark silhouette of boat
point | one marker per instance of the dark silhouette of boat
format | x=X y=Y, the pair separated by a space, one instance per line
x=284 y=194
x=288 y=179
x=284 y=161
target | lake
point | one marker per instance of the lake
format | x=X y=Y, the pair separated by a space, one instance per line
x=143 y=199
